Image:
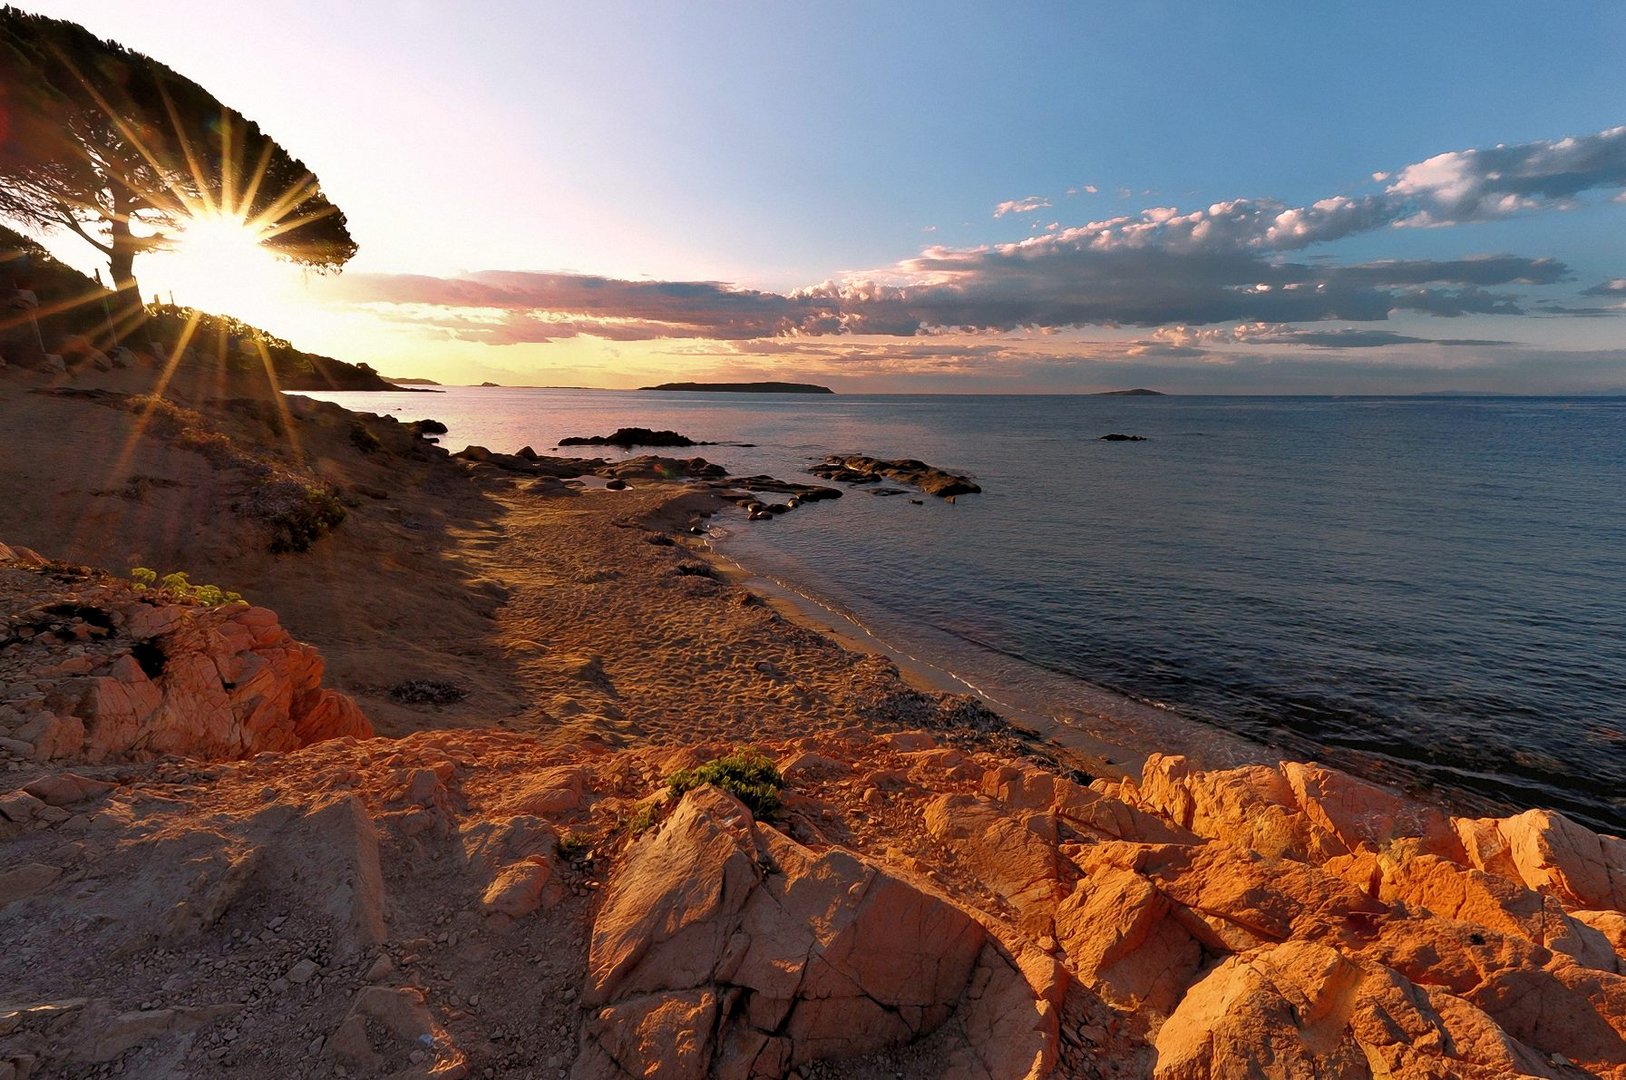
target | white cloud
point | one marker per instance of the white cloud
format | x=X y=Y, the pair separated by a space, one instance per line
x=1021 y=206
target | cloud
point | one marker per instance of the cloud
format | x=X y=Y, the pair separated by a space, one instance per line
x=1231 y=262
x=1344 y=337
x=1084 y=189
x=1479 y=185
x=1021 y=206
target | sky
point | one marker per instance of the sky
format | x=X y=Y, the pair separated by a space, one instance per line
x=943 y=197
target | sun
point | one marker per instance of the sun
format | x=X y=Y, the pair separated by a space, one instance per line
x=216 y=263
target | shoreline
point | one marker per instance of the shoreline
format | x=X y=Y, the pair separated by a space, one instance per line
x=1116 y=724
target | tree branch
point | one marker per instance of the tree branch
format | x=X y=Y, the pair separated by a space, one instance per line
x=67 y=219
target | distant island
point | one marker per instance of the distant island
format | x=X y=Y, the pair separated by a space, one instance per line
x=412 y=382
x=1137 y=392
x=744 y=387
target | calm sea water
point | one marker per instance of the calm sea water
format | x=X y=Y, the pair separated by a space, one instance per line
x=1428 y=591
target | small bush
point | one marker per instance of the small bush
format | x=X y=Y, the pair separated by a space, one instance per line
x=638 y=823
x=363 y=439
x=298 y=515
x=748 y=775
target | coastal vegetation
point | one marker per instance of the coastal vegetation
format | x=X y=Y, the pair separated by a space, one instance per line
x=176 y=586
x=748 y=775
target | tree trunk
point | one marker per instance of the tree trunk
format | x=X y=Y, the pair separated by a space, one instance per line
x=129 y=313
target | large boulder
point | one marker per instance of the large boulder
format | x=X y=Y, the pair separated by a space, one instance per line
x=754 y=955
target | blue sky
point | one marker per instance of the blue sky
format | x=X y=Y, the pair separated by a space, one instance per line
x=781 y=148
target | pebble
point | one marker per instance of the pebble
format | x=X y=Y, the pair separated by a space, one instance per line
x=302 y=972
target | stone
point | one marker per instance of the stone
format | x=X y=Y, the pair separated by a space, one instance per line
x=826 y=956
x=302 y=972
x=520 y=888
x=24 y=880
x=67 y=789
x=20 y=807
x=1546 y=850
x=1121 y=939
x=1014 y=853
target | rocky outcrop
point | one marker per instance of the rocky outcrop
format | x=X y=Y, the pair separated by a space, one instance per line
x=95 y=670
x=858 y=469
x=455 y=902
x=628 y=437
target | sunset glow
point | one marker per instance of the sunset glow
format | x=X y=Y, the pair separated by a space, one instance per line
x=657 y=196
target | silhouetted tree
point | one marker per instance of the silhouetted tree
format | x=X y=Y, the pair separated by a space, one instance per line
x=121 y=150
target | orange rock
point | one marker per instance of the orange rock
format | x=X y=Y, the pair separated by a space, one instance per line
x=1353 y=814
x=1122 y=942
x=824 y=956
x=660 y=1037
x=1278 y=1011
x=519 y=889
x=1011 y=1018
x=1450 y=891
x=1548 y=851
x=1090 y=811
x=1014 y=853
x=1250 y=807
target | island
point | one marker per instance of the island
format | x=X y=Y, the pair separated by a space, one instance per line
x=1139 y=391
x=632 y=436
x=743 y=387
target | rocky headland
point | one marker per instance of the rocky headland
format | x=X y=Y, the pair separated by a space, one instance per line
x=415 y=805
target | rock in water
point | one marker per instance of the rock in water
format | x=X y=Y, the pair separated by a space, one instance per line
x=858 y=469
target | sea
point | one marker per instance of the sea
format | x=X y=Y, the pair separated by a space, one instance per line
x=1427 y=591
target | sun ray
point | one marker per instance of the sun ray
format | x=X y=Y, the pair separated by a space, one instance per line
x=253 y=191
x=284 y=414
x=130 y=135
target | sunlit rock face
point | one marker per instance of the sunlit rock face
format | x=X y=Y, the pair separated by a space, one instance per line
x=98 y=671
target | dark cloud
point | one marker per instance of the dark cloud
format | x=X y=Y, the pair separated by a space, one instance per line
x=1615 y=287
x=1353 y=338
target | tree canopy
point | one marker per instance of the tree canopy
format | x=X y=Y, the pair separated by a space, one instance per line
x=121 y=150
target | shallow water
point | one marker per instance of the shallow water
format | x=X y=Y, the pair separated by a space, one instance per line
x=1431 y=591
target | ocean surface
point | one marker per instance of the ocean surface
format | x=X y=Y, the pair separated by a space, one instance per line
x=1428 y=591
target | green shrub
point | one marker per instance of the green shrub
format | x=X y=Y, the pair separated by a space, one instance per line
x=304 y=518
x=748 y=775
x=575 y=846
x=639 y=822
x=176 y=586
